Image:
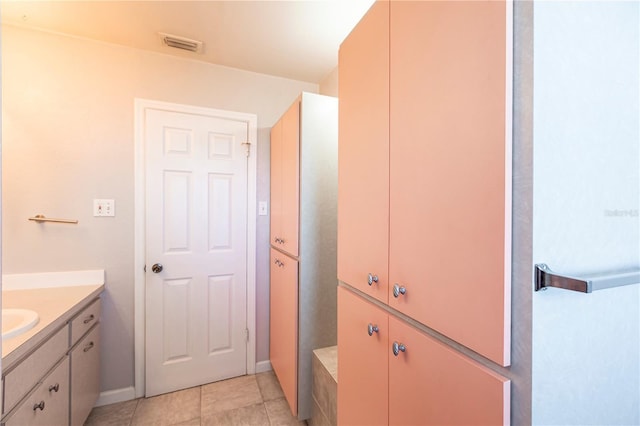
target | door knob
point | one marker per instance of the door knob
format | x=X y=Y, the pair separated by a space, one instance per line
x=156 y=268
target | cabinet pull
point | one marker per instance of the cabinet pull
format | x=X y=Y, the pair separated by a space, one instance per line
x=55 y=387
x=398 y=290
x=372 y=329
x=89 y=319
x=88 y=347
x=372 y=279
x=38 y=406
x=279 y=240
x=280 y=264
x=397 y=348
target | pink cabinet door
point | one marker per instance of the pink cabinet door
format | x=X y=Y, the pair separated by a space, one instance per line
x=290 y=179
x=449 y=244
x=283 y=327
x=276 y=183
x=363 y=154
x=362 y=361
x=285 y=180
x=431 y=384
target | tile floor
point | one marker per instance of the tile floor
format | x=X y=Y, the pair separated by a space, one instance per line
x=248 y=400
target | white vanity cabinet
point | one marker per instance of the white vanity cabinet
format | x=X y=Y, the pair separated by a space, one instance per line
x=57 y=382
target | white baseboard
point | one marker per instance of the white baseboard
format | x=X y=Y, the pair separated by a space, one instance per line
x=116 y=395
x=263 y=366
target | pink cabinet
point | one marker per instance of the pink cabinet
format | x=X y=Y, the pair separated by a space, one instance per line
x=304 y=181
x=391 y=373
x=424 y=189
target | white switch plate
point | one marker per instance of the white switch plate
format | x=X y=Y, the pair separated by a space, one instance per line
x=262 y=208
x=102 y=207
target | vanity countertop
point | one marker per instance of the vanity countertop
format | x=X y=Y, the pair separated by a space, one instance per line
x=55 y=306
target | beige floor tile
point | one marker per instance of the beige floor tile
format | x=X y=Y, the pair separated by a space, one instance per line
x=119 y=414
x=230 y=394
x=269 y=386
x=280 y=414
x=168 y=409
x=252 y=415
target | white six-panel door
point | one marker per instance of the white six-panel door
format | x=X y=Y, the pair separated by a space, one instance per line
x=196 y=225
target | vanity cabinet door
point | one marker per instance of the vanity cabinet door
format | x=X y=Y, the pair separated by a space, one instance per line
x=21 y=379
x=48 y=404
x=362 y=361
x=85 y=376
x=363 y=155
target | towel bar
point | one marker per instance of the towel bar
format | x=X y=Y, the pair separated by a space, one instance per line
x=40 y=218
x=545 y=278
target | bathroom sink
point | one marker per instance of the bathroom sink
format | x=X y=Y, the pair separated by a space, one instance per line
x=17 y=321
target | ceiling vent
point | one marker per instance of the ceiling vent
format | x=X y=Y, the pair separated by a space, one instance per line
x=181 y=43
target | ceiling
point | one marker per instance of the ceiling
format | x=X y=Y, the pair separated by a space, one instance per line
x=295 y=39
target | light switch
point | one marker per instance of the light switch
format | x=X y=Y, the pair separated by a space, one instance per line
x=262 y=208
x=102 y=207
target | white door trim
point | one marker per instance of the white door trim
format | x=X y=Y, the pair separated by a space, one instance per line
x=139 y=228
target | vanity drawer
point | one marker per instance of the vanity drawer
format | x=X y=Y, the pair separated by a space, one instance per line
x=19 y=381
x=49 y=402
x=84 y=321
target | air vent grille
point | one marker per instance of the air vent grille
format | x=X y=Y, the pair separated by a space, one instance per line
x=181 y=43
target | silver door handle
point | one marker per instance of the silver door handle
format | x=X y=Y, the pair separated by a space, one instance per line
x=397 y=348
x=372 y=279
x=372 y=329
x=157 y=268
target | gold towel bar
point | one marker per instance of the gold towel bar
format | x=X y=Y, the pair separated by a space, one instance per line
x=41 y=218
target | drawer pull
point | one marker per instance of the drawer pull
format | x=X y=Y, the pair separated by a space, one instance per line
x=279 y=240
x=398 y=290
x=398 y=347
x=89 y=319
x=88 y=347
x=279 y=263
x=372 y=329
x=38 y=406
x=372 y=279
x=55 y=387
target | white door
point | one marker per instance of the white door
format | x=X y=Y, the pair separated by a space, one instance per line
x=196 y=229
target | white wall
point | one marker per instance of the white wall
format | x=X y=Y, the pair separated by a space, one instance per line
x=67 y=136
x=586 y=347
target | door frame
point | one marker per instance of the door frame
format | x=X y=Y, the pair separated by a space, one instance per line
x=140 y=105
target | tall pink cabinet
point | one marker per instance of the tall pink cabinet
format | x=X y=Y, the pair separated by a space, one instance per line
x=304 y=180
x=424 y=213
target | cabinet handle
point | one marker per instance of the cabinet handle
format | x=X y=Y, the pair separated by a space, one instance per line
x=55 y=387
x=398 y=290
x=279 y=263
x=38 y=406
x=398 y=347
x=89 y=319
x=372 y=279
x=279 y=240
x=372 y=329
x=88 y=347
